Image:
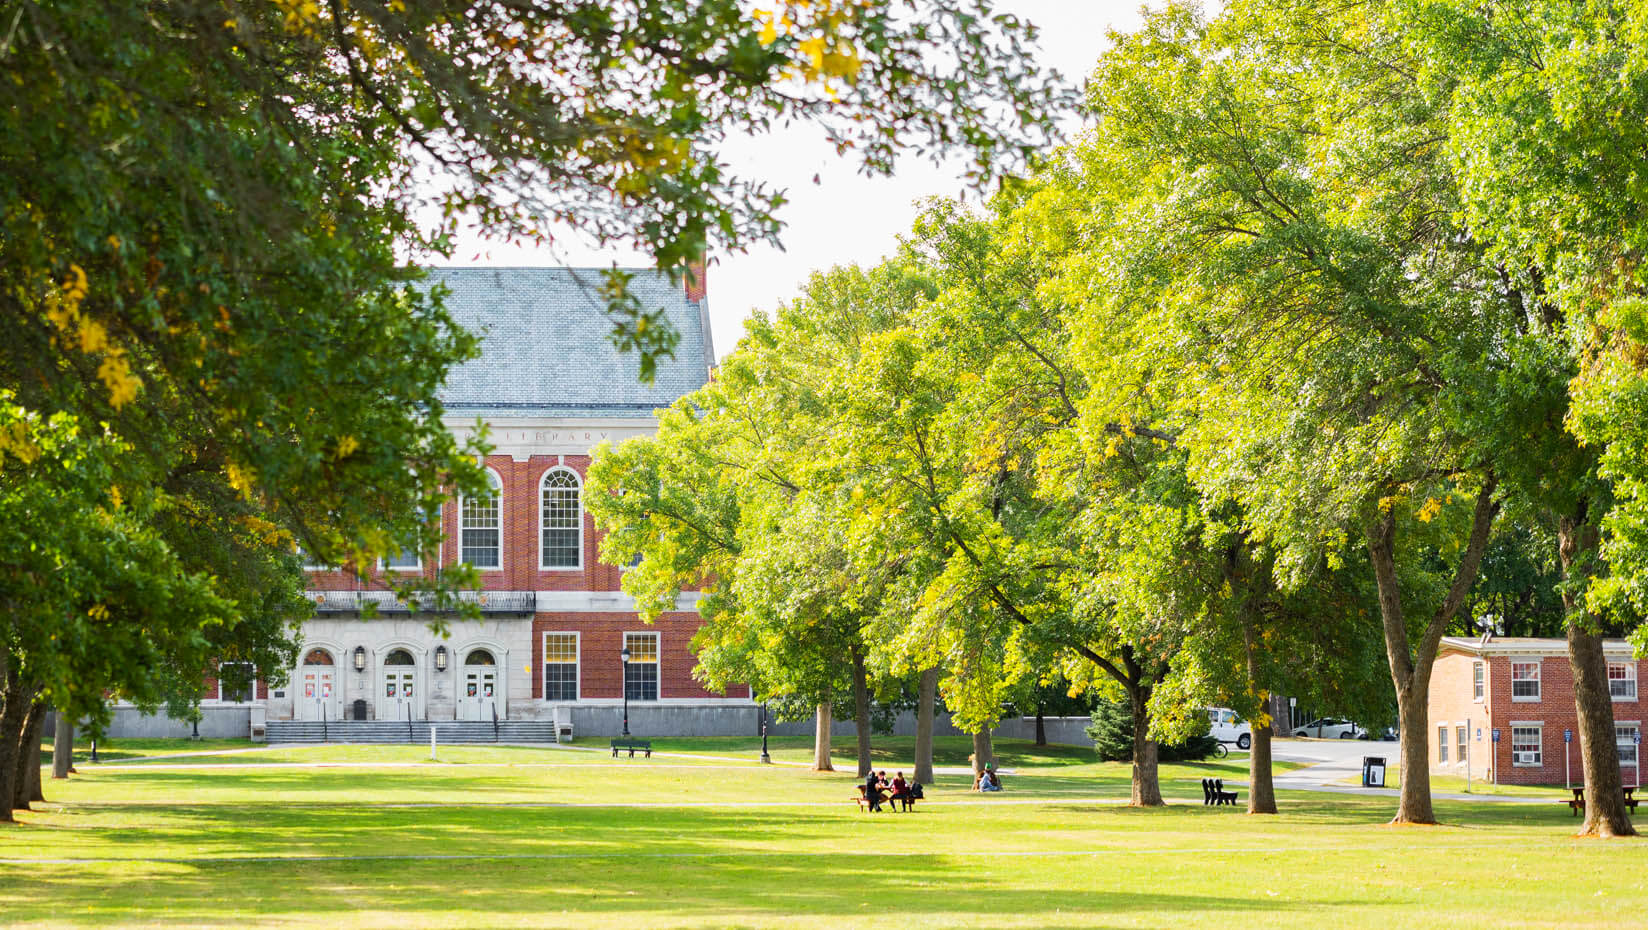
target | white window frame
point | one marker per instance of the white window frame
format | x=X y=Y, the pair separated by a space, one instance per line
x=1479 y=681
x=383 y=563
x=1538 y=675
x=1461 y=744
x=498 y=486
x=251 y=684
x=578 y=484
x=577 y=664
x=658 y=662
x=1630 y=668
x=1634 y=726
x=1444 y=734
x=1538 y=726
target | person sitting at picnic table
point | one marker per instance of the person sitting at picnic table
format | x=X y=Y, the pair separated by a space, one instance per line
x=872 y=791
x=901 y=788
x=988 y=779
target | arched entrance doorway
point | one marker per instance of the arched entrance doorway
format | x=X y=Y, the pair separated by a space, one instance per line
x=317 y=695
x=480 y=690
x=400 y=698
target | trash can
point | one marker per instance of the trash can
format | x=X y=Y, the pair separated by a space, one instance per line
x=1373 y=771
x=360 y=708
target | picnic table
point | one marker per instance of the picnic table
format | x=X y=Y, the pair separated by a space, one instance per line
x=1577 y=803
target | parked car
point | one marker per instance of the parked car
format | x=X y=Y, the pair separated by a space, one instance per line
x=1331 y=728
x=1229 y=728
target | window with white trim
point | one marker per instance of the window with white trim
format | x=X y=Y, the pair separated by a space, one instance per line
x=560 y=666
x=1442 y=745
x=561 y=520
x=1525 y=681
x=641 y=672
x=1460 y=733
x=1622 y=681
x=1625 y=741
x=235 y=681
x=480 y=536
x=408 y=560
x=1479 y=680
x=1526 y=746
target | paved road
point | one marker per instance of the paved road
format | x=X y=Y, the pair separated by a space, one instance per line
x=1329 y=762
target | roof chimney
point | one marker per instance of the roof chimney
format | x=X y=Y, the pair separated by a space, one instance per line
x=697 y=286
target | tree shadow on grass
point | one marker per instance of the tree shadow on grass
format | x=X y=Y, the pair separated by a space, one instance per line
x=742 y=891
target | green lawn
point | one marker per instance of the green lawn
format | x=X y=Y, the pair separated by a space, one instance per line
x=495 y=836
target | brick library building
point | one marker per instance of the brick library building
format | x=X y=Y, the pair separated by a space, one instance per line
x=1502 y=709
x=547 y=658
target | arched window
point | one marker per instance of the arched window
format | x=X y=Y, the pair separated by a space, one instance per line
x=480 y=657
x=399 y=657
x=562 y=519
x=479 y=533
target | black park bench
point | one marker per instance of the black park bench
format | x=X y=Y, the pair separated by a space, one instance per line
x=1213 y=792
x=645 y=745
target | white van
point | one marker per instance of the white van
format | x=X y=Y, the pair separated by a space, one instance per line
x=1229 y=728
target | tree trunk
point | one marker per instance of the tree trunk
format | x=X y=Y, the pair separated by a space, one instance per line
x=1041 y=728
x=1147 y=787
x=1605 y=813
x=1261 y=794
x=821 y=738
x=1411 y=666
x=861 y=711
x=15 y=699
x=28 y=777
x=983 y=753
x=927 y=695
x=63 y=747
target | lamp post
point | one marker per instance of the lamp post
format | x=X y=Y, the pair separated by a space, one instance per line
x=625 y=656
x=765 y=759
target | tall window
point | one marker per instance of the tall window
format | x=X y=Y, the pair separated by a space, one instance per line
x=408 y=560
x=1442 y=745
x=1461 y=733
x=234 y=682
x=562 y=521
x=1479 y=680
x=1625 y=740
x=479 y=535
x=641 y=674
x=1524 y=681
x=1622 y=680
x=560 y=666
x=1525 y=746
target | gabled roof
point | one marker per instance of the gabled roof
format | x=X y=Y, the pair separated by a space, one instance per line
x=1524 y=646
x=545 y=350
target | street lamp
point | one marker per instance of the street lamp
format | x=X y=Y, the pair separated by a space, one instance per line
x=625 y=656
x=764 y=757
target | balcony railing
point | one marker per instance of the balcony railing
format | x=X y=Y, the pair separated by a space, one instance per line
x=385 y=602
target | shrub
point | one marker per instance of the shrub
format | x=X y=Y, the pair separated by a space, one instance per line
x=1112 y=733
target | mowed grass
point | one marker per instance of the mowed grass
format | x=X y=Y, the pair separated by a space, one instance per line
x=496 y=836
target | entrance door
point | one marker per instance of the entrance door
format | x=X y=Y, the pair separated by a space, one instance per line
x=398 y=700
x=316 y=697
x=480 y=694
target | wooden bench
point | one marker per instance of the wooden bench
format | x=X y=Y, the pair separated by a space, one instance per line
x=645 y=745
x=1213 y=792
x=1577 y=803
x=908 y=799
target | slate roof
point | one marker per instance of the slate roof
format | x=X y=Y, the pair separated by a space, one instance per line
x=545 y=348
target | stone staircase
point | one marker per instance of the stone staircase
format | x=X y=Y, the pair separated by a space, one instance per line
x=399 y=731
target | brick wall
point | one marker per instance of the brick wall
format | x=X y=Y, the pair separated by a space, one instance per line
x=601 y=638
x=1553 y=713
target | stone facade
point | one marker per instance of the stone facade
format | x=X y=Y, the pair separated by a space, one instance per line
x=1526 y=695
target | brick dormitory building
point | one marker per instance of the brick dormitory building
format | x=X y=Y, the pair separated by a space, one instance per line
x=1522 y=689
x=546 y=652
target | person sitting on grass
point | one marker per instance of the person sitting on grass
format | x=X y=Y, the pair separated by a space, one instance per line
x=872 y=792
x=988 y=779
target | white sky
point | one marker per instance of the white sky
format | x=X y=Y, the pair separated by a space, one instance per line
x=845 y=218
